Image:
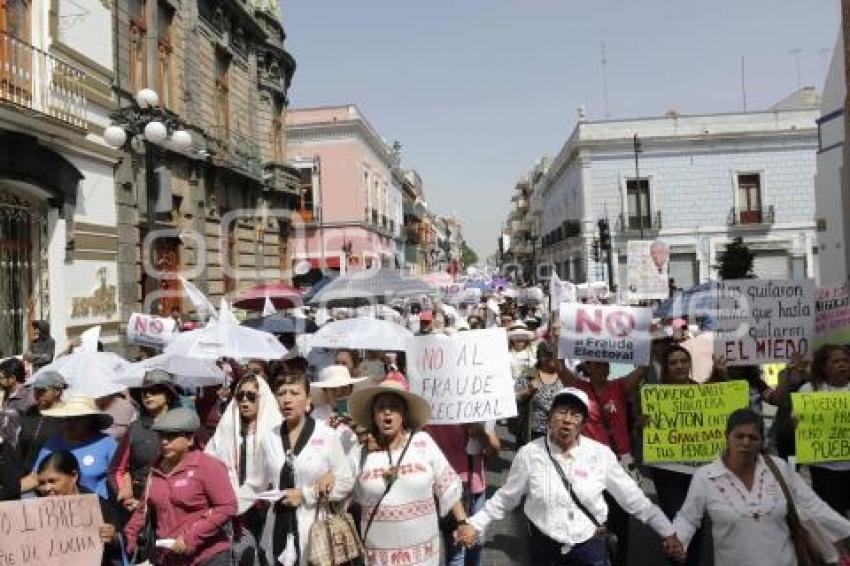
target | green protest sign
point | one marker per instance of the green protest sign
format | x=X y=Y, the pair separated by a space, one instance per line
x=686 y=423
x=823 y=426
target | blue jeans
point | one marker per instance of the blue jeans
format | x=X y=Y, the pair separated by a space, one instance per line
x=457 y=555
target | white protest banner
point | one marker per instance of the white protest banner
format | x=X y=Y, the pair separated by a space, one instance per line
x=560 y=292
x=465 y=377
x=647 y=265
x=759 y=321
x=51 y=531
x=605 y=333
x=832 y=315
x=150 y=331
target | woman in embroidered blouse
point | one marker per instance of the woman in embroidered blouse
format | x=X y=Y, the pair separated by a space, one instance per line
x=746 y=503
x=399 y=480
x=303 y=460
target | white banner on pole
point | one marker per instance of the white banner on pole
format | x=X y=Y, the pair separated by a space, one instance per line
x=465 y=377
x=605 y=333
x=759 y=321
x=150 y=331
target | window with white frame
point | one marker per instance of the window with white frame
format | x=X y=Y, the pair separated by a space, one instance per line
x=638 y=211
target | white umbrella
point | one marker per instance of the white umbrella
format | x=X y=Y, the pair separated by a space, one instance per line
x=225 y=340
x=187 y=372
x=88 y=374
x=362 y=334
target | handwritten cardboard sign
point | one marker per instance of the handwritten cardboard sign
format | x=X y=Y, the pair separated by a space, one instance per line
x=823 y=426
x=759 y=321
x=51 y=531
x=150 y=331
x=466 y=377
x=687 y=423
x=604 y=333
x=832 y=315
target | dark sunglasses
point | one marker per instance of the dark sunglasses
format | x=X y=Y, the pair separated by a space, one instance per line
x=155 y=390
x=250 y=396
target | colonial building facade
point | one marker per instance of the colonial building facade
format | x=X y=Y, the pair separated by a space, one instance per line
x=695 y=182
x=58 y=236
x=351 y=206
x=220 y=209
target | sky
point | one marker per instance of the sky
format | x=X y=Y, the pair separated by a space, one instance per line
x=478 y=90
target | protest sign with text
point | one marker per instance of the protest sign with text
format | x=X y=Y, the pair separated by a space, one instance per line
x=823 y=426
x=687 y=423
x=604 y=333
x=150 y=331
x=51 y=531
x=466 y=377
x=646 y=269
x=832 y=315
x=759 y=321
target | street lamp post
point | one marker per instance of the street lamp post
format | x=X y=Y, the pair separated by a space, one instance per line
x=147 y=122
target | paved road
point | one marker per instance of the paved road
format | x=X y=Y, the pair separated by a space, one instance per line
x=506 y=540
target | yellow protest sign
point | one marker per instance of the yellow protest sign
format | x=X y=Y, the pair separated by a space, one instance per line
x=823 y=426
x=686 y=423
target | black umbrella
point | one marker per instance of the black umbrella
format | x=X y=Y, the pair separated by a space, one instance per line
x=282 y=324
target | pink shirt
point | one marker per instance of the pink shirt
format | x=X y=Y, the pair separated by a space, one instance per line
x=614 y=401
x=194 y=502
x=452 y=440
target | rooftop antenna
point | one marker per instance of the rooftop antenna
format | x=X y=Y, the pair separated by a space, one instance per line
x=605 y=82
x=743 y=84
x=796 y=53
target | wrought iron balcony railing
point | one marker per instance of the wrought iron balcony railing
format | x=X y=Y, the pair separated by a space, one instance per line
x=749 y=217
x=38 y=81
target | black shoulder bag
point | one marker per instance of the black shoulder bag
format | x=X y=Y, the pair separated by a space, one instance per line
x=611 y=542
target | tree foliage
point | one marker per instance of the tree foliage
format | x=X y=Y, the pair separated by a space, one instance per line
x=736 y=261
x=468 y=255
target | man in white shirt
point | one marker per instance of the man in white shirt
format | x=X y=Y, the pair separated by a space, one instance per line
x=564 y=527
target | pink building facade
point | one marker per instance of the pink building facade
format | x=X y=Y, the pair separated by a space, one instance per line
x=351 y=210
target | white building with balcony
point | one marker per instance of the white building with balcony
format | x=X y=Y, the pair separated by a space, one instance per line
x=696 y=182
x=58 y=228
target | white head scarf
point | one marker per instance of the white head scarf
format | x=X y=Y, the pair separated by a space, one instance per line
x=227 y=438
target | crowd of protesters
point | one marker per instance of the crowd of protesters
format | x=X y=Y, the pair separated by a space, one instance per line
x=239 y=473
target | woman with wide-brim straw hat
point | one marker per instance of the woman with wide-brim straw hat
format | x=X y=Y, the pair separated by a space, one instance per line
x=330 y=395
x=80 y=432
x=406 y=470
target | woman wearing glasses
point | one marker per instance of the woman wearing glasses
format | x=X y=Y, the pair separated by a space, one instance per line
x=139 y=448
x=302 y=461
x=248 y=419
x=562 y=476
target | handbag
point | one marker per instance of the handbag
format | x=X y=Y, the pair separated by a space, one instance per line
x=333 y=538
x=146 y=539
x=804 y=546
x=612 y=544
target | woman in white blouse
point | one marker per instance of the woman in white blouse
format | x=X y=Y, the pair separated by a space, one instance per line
x=560 y=531
x=745 y=500
x=250 y=416
x=301 y=461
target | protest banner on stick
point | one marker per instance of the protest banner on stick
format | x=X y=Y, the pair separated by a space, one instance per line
x=759 y=321
x=687 y=423
x=150 y=331
x=832 y=315
x=823 y=426
x=604 y=333
x=647 y=265
x=51 y=531
x=465 y=377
